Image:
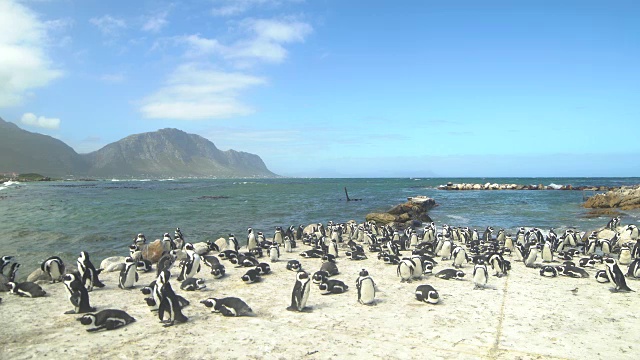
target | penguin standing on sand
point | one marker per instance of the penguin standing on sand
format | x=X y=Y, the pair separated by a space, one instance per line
x=88 y=272
x=78 y=294
x=251 y=240
x=108 y=319
x=274 y=251
x=54 y=267
x=278 y=235
x=459 y=257
x=547 y=252
x=634 y=269
x=480 y=275
x=615 y=275
x=406 y=268
x=233 y=243
x=531 y=255
x=288 y=244
x=192 y=265
x=300 y=293
x=170 y=303
x=366 y=288
x=128 y=275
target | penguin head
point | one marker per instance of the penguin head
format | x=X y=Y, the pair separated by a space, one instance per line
x=249 y=230
x=210 y=302
x=189 y=246
x=164 y=276
x=459 y=274
x=84 y=255
x=11 y=286
x=129 y=260
x=364 y=273
x=87 y=319
x=302 y=276
x=610 y=261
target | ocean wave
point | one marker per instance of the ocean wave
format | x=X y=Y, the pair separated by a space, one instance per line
x=555 y=186
x=458 y=218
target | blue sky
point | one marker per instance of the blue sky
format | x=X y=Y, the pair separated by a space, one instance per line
x=330 y=88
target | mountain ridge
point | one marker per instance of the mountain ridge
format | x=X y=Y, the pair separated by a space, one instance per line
x=166 y=152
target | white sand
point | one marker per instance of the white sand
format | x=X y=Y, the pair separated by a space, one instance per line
x=522 y=316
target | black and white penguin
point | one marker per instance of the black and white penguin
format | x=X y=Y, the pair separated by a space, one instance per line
x=548 y=271
x=447 y=274
x=294 y=265
x=332 y=287
x=128 y=275
x=26 y=289
x=426 y=293
x=140 y=239
x=531 y=255
x=54 y=267
x=602 y=277
x=547 y=252
x=251 y=240
x=88 y=272
x=278 y=235
x=615 y=275
x=319 y=277
x=233 y=243
x=405 y=270
x=143 y=265
x=366 y=288
x=498 y=264
x=263 y=268
x=228 y=306
x=572 y=271
x=274 y=251
x=108 y=319
x=330 y=268
x=300 y=293
x=78 y=294
x=288 y=244
x=170 y=304
x=312 y=254
x=480 y=275
x=193 y=284
x=251 y=276
x=191 y=265
x=333 y=248
x=167 y=242
x=459 y=257
x=634 y=269
x=165 y=262
x=625 y=255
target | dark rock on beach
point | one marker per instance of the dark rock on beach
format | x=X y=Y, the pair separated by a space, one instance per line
x=415 y=209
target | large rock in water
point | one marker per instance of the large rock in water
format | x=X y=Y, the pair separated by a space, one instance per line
x=413 y=210
x=625 y=198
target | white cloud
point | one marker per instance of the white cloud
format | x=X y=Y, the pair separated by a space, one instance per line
x=197 y=92
x=41 y=121
x=265 y=41
x=155 y=23
x=109 y=25
x=237 y=7
x=24 y=64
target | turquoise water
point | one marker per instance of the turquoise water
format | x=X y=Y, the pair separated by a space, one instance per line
x=63 y=218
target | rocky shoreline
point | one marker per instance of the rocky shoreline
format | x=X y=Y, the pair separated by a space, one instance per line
x=624 y=198
x=495 y=186
x=403 y=215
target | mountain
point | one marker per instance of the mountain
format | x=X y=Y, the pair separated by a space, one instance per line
x=22 y=151
x=163 y=153
x=171 y=153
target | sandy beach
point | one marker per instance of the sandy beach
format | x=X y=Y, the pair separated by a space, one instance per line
x=520 y=316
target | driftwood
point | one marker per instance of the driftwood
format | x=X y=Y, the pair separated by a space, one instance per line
x=348 y=198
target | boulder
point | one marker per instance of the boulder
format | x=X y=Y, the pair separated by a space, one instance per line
x=414 y=209
x=201 y=248
x=222 y=243
x=380 y=218
x=113 y=263
x=38 y=275
x=625 y=198
x=153 y=252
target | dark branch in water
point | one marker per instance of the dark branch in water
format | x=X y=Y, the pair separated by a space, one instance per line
x=349 y=199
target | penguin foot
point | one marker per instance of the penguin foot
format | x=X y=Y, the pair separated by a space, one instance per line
x=70 y=312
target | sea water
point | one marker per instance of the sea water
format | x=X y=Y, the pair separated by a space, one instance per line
x=41 y=219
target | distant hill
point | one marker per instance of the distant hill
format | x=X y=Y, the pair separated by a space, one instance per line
x=22 y=151
x=163 y=153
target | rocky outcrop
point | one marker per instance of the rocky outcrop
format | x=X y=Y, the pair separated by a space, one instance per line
x=625 y=198
x=494 y=186
x=413 y=210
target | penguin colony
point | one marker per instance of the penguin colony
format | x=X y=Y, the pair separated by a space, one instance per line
x=423 y=254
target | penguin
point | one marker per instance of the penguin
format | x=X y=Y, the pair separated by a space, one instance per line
x=288 y=244
x=294 y=265
x=330 y=268
x=426 y=293
x=413 y=239
x=418 y=270
x=251 y=240
x=333 y=248
x=108 y=319
x=498 y=264
x=531 y=255
x=193 y=284
x=572 y=271
x=547 y=252
x=625 y=255
x=602 y=277
x=165 y=262
x=140 y=239
x=228 y=306
x=263 y=268
x=356 y=255
x=312 y=254
x=459 y=257
x=233 y=243
x=26 y=289
x=192 y=264
x=405 y=270
x=128 y=275
x=143 y=265
x=278 y=236
x=548 y=271
x=78 y=294
x=445 y=250
x=88 y=272
x=170 y=303
x=427 y=267
x=274 y=252
x=300 y=293
x=328 y=258
x=615 y=275
x=480 y=275
x=605 y=246
x=332 y=287
x=634 y=269
x=167 y=242
x=319 y=277
x=54 y=268
x=447 y=274
x=366 y=288
x=251 y=276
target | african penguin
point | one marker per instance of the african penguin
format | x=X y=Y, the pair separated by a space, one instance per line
x=300 y=293
x=108 y=319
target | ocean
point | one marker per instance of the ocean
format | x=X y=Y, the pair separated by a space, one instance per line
x=41 y=219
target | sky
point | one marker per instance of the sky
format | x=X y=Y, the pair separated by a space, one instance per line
x=333 y=88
